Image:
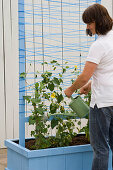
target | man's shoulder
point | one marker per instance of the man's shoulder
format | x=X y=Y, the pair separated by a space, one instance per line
x=97 y=44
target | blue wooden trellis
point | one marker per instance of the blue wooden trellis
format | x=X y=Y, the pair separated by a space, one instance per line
x=22 y=61
x=21 y=69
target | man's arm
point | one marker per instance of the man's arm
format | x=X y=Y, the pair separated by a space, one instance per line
x=82 y=79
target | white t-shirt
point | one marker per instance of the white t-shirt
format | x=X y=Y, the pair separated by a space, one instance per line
x=101 y=53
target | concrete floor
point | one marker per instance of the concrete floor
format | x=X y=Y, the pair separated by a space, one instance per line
x=3 y=159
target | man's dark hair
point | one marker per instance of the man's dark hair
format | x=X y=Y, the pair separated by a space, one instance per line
x=98 y=13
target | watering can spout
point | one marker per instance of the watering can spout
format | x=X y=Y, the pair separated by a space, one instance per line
x=79 y=106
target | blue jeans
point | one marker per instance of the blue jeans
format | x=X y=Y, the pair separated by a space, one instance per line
x=101 y=136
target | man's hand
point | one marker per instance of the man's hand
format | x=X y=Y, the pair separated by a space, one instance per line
x=68 y=92
x=86 y=88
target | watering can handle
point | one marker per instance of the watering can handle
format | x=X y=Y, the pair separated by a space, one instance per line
x=73 y=98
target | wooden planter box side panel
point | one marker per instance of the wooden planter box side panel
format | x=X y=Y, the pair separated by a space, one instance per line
x=47 y=163
x=79 y=161
x=16 y=161
x=74 y=161
x=86 y=157
x=56 y=162
x=38 y=163
x=64 y=158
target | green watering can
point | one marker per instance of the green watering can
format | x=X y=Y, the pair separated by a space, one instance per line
x=78 y=105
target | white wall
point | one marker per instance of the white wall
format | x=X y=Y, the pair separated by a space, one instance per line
x=109 y=5
x=9 y=67
x=8 y=70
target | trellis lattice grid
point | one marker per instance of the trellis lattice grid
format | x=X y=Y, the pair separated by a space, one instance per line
x=49 y=30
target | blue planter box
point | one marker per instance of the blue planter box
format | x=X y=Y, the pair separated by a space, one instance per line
x=63 y=158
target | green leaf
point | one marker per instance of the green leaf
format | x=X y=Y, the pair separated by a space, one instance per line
x=37 y=95
x=51 y=86
x=35 y=100
x=56 y=81
x=46 y=96
x=60 y=80
x=27 y=98
x=38 y=71
x=60 y=75
x=53 y=107
x=49 y=74
x=40 y=110
x=63 y=70
x=53 y=61
x=48 y=126
x=36 y=85
x=41 y=85
x=54 y=122
x=79 y=123
x=54 y=68
x=60 y=88
x=32 y=133
x=59 y=98
x=23 y=75
x=32 y=121
x=66 y=62
x=44 y=63
x=45 y=80
x=62 y=109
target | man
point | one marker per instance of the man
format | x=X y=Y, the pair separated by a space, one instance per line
x=99 y=66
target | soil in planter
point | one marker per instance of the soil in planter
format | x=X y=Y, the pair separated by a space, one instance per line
x=77 y=140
